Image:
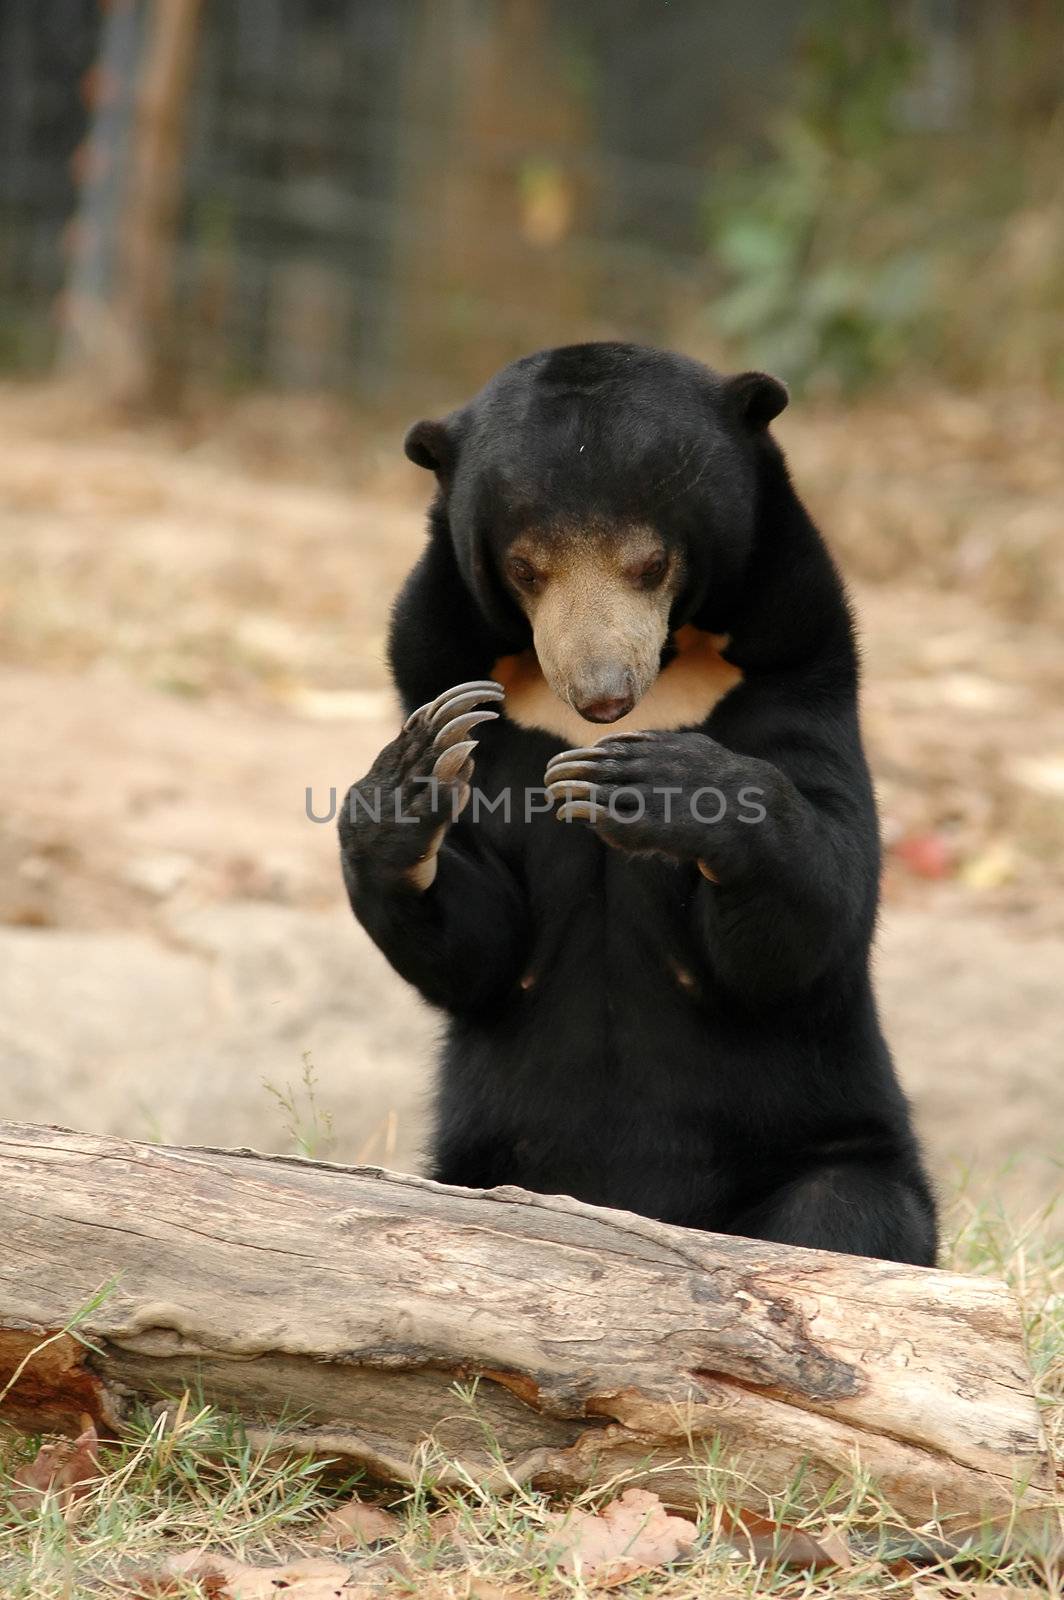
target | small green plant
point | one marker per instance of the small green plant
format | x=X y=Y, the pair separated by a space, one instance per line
x=308 y=1126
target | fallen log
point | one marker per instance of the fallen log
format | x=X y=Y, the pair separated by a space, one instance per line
x=344 y=1309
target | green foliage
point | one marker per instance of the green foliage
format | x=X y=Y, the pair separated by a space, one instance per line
x=868 y=242
x=814 y=285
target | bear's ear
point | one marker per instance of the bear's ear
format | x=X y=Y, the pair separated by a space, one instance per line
x=756 y=397
x=428 y=444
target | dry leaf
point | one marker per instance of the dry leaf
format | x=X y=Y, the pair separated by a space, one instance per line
x=835 y=1548
x=975 y=1591
x=446 y=1525
x=156 y=1586
x=66 y=1469
x=356 y=1522
x=633 y=1534
x=389 y=1564
x=224 y=1578
x=901 y=1567
x=778 y=1544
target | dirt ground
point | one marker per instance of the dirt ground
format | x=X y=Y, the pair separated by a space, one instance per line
x=191 y=636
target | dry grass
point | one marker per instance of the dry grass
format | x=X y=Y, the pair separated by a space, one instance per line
x=174 y=1485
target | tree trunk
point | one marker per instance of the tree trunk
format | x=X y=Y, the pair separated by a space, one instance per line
x=364 y=1304
x=120 y=302
x=151 y=221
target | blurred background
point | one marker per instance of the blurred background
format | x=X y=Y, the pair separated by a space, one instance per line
x=242 y=245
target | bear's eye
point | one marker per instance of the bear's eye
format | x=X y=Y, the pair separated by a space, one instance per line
x=651 y=572
x=522 y=572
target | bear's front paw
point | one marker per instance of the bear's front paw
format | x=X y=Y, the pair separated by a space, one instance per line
x=677 y=794
x=394 y=818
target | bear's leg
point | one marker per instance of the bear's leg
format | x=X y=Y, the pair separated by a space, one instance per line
x=856 y=1211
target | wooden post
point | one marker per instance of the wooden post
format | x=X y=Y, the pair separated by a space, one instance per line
x=120 y=300
x=354 y=1300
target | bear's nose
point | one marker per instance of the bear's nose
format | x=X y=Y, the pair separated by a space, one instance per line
x=609 y=710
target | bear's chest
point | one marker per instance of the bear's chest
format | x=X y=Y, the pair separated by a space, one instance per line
x=684 y=694
x=612 y=919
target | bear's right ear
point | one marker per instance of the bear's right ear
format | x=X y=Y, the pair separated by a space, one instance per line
x=757 y=397
x=429 y=445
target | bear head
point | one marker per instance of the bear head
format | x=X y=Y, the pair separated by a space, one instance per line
x=598 y=497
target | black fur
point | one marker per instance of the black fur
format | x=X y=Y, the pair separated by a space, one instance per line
x=757 y=1096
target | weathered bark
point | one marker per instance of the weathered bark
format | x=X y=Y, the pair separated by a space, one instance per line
x=347 y=1303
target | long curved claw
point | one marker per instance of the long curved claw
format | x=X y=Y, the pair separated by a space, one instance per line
x=580 y=811
x=571 y=789
x=449 y=765
x=454 y=705
x=579 y=800
x=584 y=752
x=482 y=688
x=559 y=770
x=458 y=727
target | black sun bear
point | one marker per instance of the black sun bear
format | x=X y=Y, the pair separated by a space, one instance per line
x=651 y=943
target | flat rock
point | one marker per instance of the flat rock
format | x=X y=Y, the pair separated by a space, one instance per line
x=124 y=1034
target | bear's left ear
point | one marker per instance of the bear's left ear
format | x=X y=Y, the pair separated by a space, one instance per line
x=756 y=397
x=429 y=445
